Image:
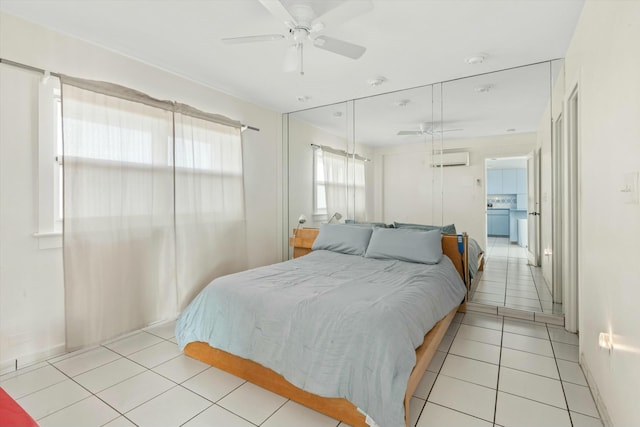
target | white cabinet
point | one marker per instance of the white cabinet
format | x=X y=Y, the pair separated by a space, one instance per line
x=506 y=181
x=514 y=216
x=521 y=202
x=509 y=185
x=498 y=222
x=494 y=181
x=521 y=181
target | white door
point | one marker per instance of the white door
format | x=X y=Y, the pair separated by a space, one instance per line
x=533 y=207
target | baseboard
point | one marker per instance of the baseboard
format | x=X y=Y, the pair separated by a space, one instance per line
x=7 y=366
x=597 y=397
x=11 y=365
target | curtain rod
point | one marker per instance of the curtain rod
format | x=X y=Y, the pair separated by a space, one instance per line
x=47 y=73
x=340 y=152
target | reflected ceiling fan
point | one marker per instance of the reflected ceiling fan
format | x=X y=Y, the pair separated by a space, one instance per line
x=426 y=129
x=303 y=27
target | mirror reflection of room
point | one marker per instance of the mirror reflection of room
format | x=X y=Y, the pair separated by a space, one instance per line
x=423 y=156
x=508 y=279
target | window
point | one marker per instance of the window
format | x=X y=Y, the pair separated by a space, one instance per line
x=319 y=192
x=339 y=184
x=49 y=164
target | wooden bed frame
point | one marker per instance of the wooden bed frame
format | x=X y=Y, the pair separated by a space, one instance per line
x=339 y=408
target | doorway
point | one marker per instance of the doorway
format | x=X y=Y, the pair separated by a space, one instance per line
x=509 y=279
x=506 y=208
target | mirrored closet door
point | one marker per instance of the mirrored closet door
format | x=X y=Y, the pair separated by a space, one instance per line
x=424 y=155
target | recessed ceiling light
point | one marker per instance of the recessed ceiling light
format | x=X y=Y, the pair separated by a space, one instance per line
x=484 y=88
x=376 y=81
x=303 y=98
x=476 y=59
x=401 y=103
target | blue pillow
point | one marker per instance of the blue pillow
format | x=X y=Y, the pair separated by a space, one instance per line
x=346 y=239
x=446 y=229
x=406 y=244
x=367 y=224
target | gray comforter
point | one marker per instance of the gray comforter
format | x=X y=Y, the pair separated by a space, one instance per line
x=335 y=325
x=474 y=252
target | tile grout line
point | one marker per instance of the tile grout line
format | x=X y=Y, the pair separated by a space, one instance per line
x=100 y=366
x=495 y=404
x=274 y=412
x=212 y=404
x=84 y=388
x=564 y=393
x=439 y=369
x=512 y=394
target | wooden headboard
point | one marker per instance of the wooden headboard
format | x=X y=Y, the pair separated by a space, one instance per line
x=303 y=239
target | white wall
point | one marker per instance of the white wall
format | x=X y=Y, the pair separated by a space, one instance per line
x=31 y=289
x=410 y=190
x=301 y=136
x=300 y=174
x=604 y=58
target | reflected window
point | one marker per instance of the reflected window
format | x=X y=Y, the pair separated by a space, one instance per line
x=339 y=183
x=319 y=192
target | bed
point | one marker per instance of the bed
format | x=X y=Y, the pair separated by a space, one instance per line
x=306 y=343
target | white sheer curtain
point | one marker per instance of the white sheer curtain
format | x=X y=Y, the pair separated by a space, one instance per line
x=335 y=182
x=210 y=216
x=119 y=259
x=344 y=180
x=153 y=207
x=357 y=188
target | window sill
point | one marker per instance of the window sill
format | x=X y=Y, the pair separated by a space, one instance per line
x=319 y=217
x=49 y=240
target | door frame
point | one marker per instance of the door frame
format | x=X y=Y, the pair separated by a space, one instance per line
x=571 y=200
x=533 y=207
x=557 y=143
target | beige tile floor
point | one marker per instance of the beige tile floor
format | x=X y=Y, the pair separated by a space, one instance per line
x=508 y=281
x=489 y=371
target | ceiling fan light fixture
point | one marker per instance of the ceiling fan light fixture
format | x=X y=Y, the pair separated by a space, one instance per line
x=302 y=23
x=476 y=59
x=376 y=81
x=317 y=27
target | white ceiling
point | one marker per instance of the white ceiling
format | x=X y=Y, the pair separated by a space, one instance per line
x=514 y=102
x=410 y=42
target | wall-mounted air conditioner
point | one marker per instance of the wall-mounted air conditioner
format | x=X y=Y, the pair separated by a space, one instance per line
x=446 y=159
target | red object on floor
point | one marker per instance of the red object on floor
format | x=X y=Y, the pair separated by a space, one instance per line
x=11 y=414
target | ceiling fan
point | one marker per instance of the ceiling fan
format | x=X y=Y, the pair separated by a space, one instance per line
x=303 y=27
x=426 y=129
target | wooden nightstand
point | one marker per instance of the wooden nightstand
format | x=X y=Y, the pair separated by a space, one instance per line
x=302 y=240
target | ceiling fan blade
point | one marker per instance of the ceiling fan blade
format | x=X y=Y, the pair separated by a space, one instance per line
x=432 y=131
x=252 y=39
x=290 y=62
x=277 y=9
x=346 y=11
x=340 y=47
x=409 y=132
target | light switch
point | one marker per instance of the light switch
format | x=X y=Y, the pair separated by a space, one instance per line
x=630 y=187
